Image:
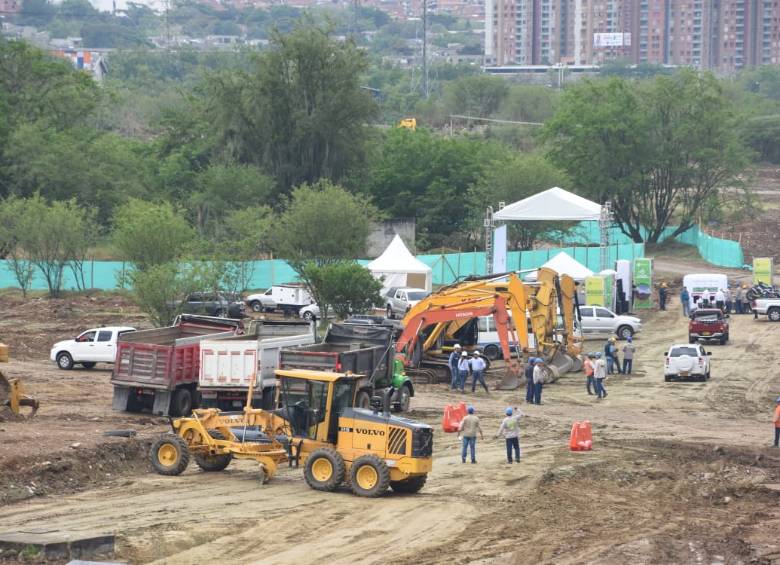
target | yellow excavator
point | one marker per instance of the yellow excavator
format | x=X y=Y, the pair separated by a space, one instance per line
x=13 y=400
x=317 y=425
x=500 y=296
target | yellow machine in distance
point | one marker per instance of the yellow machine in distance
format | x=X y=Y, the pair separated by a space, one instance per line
x=408 y=123
x=316 y=425
x=12 y=399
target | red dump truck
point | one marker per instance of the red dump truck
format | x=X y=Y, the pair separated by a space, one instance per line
x=159 y=368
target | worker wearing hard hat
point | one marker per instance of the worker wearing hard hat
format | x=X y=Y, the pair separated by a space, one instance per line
x=776 y=421
x=478 y=366
x=540 y=371
x=453 y=362
x=463 y=370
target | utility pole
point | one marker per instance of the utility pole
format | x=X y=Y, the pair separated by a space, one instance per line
x=489 y=224
x=426 y=90
x=605 y=222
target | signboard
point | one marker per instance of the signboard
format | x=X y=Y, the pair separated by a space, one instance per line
x=499 y=249
x=594 y=291
x=611 y=40
x=643 y=280
x=763 y=270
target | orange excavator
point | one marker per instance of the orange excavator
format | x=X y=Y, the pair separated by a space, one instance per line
x=499 y=296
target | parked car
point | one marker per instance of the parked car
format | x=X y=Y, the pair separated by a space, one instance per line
x=93 y=346
x=708 y=324
x=600 y=320
x=769 y=307
x=310 y=312
x=687 y=361
x=214 y=304
x=401 y=299
x=261 y=302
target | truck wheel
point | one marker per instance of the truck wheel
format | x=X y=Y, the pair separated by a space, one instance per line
x=773 y=315
x=181 y=403
x=256 y=306
x=64 y=361
x=170 y=455
x=692 y=339
x=324 y=469
x=369 y=476
x=308 y=315
x=411 y=485
x=363 y=400
x=88 y=364
x=723 y=340
x=625 y=332
x=213 y=463
x=404 y=398
x=492 y=352
x=667 y=378
x=389 y=312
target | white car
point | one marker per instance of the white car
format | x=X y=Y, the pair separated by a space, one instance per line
x=310 y=312
x=687 y=361
x=600 y=320
x=97 y=345
x=399 y=300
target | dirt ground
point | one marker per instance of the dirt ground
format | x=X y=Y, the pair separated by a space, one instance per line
x=680 y=472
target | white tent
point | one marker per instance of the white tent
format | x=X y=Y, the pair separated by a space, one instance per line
x=565 y=264
x=396 y=266
x=554 y=204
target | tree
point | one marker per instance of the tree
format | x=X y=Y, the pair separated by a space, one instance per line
x=478 y=95
x=323 y=223
x=512 y=180
x=300 y=113
x=12 y=218
x=160 y=290
x=345 y=286
x=658 y=150
x=426 y=175
x=219 y=188
x=149 y=233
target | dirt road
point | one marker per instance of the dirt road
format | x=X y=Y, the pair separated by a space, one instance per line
x=681 y=472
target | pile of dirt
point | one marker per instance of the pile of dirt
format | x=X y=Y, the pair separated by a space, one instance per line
x=74 y=470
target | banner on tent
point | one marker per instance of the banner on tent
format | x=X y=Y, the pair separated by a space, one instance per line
x=643 y=280
x=499 y=250
x=763 y=270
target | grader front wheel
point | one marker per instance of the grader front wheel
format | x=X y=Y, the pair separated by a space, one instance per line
x=369 y=476
x=170 y=455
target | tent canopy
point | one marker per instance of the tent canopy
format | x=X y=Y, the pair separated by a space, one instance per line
x=554 y=204
x=565 y=264
x=396 y=266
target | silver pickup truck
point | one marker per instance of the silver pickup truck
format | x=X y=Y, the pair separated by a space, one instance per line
x=400 y=299
x=769 y=307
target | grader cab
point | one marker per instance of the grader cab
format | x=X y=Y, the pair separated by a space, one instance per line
x=316 y=425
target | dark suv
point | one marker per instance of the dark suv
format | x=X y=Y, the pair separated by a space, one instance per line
x=214 y=304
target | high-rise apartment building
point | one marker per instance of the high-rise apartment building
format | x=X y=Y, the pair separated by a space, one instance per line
x=719 y=34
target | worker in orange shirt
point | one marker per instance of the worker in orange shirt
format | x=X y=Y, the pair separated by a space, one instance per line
x=776 y=420
x=587 y=366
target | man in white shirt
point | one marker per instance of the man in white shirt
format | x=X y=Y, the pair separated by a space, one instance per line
x=478 y=371
x=599 y=374
x=720 y=299
x=539 y=373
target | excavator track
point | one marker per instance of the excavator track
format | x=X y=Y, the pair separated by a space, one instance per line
x=12 y=399
x=422 y=375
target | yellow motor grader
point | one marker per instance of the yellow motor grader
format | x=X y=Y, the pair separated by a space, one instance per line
x=315 y=425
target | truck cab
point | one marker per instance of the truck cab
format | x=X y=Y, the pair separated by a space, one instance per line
x=708 y=324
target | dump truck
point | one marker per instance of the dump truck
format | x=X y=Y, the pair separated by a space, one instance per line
x=360 y=349
x=159 y=368
x=229 y=365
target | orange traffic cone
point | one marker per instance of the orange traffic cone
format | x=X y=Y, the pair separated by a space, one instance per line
x=581 y=438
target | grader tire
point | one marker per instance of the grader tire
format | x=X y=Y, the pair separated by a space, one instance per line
x=369 y=476
x=325 y=469
x=170 y=455
x=213 y=463
x=412 y=485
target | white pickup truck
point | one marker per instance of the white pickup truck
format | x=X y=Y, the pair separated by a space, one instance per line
x=97 y=345
x=399 y=300
x=769 y=307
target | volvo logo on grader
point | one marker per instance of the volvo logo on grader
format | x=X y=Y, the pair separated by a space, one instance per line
x=368 y=432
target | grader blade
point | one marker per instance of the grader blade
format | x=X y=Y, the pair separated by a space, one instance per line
x=13 y=399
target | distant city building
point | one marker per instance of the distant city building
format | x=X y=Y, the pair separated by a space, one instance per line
x=724 y=35
x=10 y=6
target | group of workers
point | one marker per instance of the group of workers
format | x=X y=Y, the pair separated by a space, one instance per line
x=509 y=429
x=461 y=365
x=722 y=299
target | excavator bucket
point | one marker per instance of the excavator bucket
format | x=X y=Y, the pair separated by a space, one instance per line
x=13 y=400
x=510 y=380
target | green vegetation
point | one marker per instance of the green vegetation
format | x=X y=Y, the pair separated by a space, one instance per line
x=345 y=286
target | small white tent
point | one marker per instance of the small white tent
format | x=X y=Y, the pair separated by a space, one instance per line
x=554 y=204
x=396 y=266
x=565 y=264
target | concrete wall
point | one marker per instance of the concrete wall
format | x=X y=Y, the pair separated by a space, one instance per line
x=382 y=234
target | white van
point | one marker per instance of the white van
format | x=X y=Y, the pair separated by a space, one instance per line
x=704 y=285
x=488 y=342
